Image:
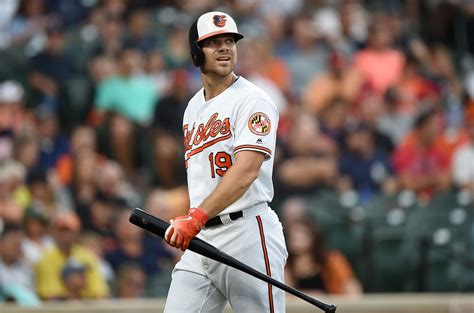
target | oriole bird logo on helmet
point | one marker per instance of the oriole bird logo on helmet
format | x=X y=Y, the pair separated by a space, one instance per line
x=219 y=20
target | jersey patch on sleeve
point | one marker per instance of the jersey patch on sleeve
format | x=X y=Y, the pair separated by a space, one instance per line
x=259 y=124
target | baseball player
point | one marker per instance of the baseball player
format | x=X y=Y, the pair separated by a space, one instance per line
x=229 y=136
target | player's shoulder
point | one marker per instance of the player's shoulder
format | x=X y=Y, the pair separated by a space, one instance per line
x=250 y=92
x=198 y=97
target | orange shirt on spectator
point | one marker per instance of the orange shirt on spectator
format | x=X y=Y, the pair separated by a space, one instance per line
x=336 y=272
x=381 y=69
x=411 y=160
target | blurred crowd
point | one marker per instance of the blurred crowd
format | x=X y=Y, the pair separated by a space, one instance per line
x=374 y=97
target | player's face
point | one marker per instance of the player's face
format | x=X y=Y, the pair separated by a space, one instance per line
x=220 y=55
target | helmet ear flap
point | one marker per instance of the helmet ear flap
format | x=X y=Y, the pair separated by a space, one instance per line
x=196 y=52
x=197 y=55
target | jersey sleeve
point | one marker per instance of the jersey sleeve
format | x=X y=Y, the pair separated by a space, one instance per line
x=255 y=127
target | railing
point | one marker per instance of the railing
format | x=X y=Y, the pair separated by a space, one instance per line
x=375 y=303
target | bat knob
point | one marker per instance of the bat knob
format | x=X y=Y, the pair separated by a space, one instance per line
x=331 y=308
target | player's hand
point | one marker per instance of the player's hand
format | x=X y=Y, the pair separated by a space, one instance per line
x=184 y=228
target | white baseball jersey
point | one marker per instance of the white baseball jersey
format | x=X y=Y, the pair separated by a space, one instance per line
x=240 y=118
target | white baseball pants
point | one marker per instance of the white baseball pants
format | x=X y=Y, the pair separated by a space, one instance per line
x=202 y=285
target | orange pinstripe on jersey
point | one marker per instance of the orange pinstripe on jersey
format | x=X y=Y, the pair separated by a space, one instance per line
x=267 y=262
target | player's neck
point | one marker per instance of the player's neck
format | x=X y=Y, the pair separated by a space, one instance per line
x=215 y=85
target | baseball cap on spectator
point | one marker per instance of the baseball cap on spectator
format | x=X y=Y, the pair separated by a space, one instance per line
x=66 y=221
x=11 y=92
x=35 y=213
x=72 y=267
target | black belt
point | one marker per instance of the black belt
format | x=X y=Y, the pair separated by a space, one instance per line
x=216 y=220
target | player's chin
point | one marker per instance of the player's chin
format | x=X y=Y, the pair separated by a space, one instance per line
x=224 y=69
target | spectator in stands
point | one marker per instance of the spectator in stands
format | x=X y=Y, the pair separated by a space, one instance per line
x=53 y=143
x=414 y=88
x=13 y=116
x=110 y=180
x=312 y=267
x=26 y=150
x=15 y=271
x=166 y=204
x=333 y=119
x=47 y=194
x=131 y=282
x=116 y=9
x=97 y=216
x=463 y=160
x=370 y=111
x=306 y=58
x=273 y=67
x=176 y=49
x=134 y=246
x=73 y=276
x=293 y=210
x=49 y=270
x=392 y=122
x=309 y=159
x=14 y=195
x=380 y=65
x=111 y=38
x=342 y=80
x=363 y=166
x=354 y=19
x=155 y=69
x=98 y=245
x=420 y=163
x=443 y=73
x=275 y=26
x=127 y=102
x=138 y=37
x=50 y=70
x=31 y=20
x=167 y=124
x=83 y=184
x=83 y=140
x=37 y=239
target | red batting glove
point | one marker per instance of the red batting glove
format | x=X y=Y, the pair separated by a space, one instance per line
x=184 y=228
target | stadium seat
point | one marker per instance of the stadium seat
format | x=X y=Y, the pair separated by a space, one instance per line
x=444 y=235
x=387 y=232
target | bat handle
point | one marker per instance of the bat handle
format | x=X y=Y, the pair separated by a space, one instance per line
x=331 y=308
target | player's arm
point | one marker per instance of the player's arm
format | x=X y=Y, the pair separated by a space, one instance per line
x=235 y=182
x=233 y=185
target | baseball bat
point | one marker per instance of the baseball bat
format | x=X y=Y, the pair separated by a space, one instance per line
x=158 y=227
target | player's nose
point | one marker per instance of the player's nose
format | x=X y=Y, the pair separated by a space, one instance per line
x=224 y=45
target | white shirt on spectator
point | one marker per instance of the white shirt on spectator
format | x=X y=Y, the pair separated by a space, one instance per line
x=19 y=274
x=33 y=251
x=463 y=165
